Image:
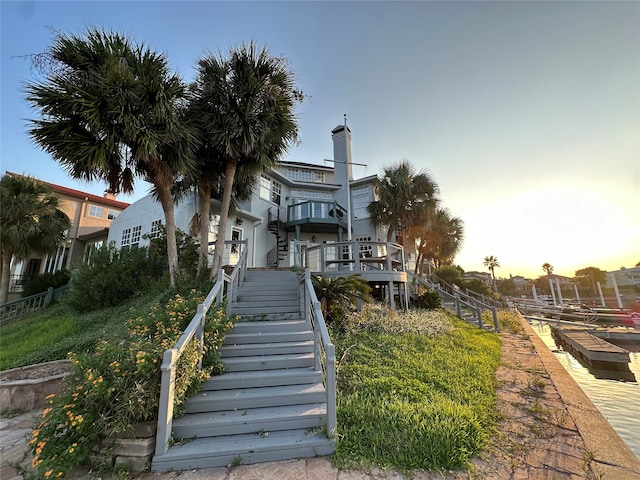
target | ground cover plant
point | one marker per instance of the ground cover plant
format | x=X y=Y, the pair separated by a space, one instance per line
x=119 y=384
x=416 y=391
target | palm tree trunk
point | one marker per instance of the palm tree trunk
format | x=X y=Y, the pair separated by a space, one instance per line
x=166 y=200
x=5 y=277
x=229 y=174
x=390 y=234
x=205 y=210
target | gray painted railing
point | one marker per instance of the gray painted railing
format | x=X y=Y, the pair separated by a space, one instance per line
x=195 y=329
x=460 y=300
x=324 y=350
x=23 y=306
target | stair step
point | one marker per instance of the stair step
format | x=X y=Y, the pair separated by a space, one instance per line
x=266 y=303
x=263 y=378
x=267 y=419
x=244 y=449
x=255 y=349
x=261 y=310
x=267 y=337
x=269 y=362
x=271 y=326
x=247 y=398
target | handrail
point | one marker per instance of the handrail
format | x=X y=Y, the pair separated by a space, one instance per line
x=195 y=328
x=23 y=306
x=322 y=345
x=460 y=300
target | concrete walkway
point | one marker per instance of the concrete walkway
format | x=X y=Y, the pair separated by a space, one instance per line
x=549 y=430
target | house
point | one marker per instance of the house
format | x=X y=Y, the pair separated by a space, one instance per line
x=90 y=216
x=627 y=279
x=293 y=202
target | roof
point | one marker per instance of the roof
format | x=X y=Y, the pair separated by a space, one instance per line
x=79 y=194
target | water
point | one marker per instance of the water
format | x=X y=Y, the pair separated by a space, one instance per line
x=618 y=401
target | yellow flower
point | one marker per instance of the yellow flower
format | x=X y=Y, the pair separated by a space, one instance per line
x=71 y=449
x=48 y=473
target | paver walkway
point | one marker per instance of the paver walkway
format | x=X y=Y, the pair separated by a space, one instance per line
x=549 y=430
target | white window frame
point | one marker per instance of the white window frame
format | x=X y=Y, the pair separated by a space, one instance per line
x=125 y=240
x=155 y=229
x=93 y=211
x=112 y=214
x=136 y=235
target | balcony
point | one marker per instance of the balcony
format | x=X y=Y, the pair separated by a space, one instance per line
x=316 y=217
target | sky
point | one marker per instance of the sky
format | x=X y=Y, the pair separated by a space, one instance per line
x=526 y=114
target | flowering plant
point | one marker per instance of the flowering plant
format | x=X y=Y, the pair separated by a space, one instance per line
x=119 y=384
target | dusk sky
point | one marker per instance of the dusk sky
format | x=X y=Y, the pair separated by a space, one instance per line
x=526 y=114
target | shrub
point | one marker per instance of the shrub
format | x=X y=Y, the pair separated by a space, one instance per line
x=429 y=300
x=339 y=295
x=41 y=283
x=380 y=318
x=119 y=384
x=113 y=276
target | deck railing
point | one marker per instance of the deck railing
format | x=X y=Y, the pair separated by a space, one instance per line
x=324 y=350
x=313 y=210
x=355 y=257
x=195 y=330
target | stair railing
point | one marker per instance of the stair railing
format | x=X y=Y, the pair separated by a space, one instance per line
x=460 y=300
x=195 y=329
x=23 y=306
x=324 y=350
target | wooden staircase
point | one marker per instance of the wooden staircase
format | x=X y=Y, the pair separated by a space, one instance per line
x=271 y=403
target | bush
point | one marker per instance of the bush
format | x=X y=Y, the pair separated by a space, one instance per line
x=380 y=318
x=429 y=300
x=41 y=283
x=119 y=384
x=113 y=276
x=338 y=296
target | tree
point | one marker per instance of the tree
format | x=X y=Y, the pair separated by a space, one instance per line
x=111 y=110
x=404 y=198
x=450 y=274
x=337 y=295
x=590 y=276
x=548 y=268
x=438 y=238
x=491 y=263
x=30 y=223
x=245 y=104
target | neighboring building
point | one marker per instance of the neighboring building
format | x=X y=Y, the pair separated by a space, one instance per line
x=482 y=276
x=90 y=216
x=626 y=278
x=294 y=201
x=523 y=286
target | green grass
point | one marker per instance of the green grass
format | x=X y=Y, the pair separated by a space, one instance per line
x=50 y=334
x=410 y=401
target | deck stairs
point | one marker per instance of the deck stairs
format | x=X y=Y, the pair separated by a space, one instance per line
x=270 y=404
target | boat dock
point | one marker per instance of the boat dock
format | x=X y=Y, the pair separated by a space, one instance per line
x=589 y=347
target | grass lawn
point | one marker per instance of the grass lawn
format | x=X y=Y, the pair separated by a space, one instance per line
x=50 y=334
x=415 y=400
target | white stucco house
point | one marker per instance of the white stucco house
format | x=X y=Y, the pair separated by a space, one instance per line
x=295 y=201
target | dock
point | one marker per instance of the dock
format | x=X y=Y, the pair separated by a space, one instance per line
x=589 y=348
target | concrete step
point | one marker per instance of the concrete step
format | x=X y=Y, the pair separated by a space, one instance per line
x=269 y=362
x=248 y=398
x=255 y=349
x=263 y=378
x=258 y=310
x=234 y=422
x=267 y=337
x=266 y=303
x=244 y=449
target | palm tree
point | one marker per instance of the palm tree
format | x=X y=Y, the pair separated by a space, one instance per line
x=491 y=263
x=111 y=110
x=337 y=295
x=404 y=197
x=30 y=223
x=548 y=268
x=245 y=103
x=438 y=238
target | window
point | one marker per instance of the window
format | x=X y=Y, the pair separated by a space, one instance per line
x=126 y=237
x=276 y=192
x=156 y=228
x=360 y=198
x=112 y=214
x=270 y=190
x=310 y=194
x=365 y=250
x=265 y=188
x=136 y=233
x=96 y=211
x=305 y=175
